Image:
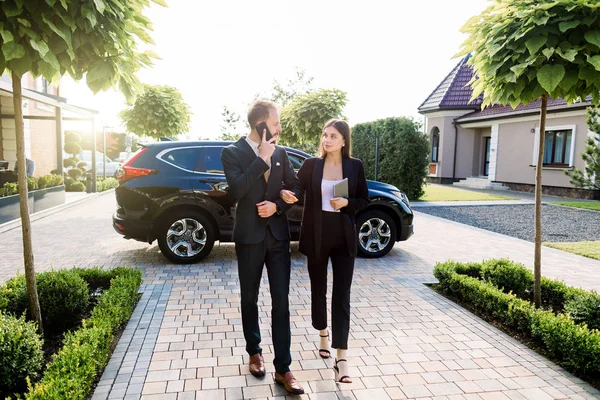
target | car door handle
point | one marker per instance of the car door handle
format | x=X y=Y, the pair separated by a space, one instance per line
x=211 y=180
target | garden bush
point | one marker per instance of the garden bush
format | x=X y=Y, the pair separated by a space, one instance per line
x=106 y=184
x=85 y=352
x=583 y=307
x=77 y=186
x=508 y=276
x=21 y=353
x=570 y=338
x=63 y=297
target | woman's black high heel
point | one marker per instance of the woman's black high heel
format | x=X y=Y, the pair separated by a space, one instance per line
x=321 y=351
x=338 y=378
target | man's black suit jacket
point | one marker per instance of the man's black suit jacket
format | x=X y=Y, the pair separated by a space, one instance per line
x=245 y=176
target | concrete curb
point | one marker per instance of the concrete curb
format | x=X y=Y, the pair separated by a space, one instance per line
x=7 y=226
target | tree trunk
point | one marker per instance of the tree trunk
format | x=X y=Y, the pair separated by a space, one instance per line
x=34 y=303
x=537 y=258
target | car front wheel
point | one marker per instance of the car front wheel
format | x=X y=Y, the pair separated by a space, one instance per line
x=376 y=233
x=185 y=237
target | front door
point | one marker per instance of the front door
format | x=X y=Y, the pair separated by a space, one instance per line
x=486 y=158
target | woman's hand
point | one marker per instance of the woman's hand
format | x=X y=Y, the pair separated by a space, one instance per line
x=338 y=202
x=288 y=196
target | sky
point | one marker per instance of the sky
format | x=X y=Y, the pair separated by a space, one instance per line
x=388 y=55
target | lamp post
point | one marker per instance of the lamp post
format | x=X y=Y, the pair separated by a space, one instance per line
x=376 y=156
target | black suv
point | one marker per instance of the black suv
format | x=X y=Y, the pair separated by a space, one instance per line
x=176 y=192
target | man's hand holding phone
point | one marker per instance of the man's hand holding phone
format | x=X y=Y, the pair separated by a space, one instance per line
x=266 y=148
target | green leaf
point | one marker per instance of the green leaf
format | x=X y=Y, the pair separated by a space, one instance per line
x=569 y=80
x=64 y=33
x=100 y=6
x=548 y=52
x=40 y=47
x=90 y=15
x=6 y=36
x=593 y=37
x=21 y=65
x=541 y=19
x=595 y=61
x=24 y=22
x=161 y=3
x=535 y=43
x=11 y=10
x=99 y=73
x=568 y=55
x=549 y=76
x=12 y=50
x=587 y=74
x=566 y=25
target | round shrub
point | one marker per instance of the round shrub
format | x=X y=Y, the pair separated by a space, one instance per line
x=21 y=353
x=76 y=187
x=81 y=165
x=72 y=137
x=69 y=162
x=64 y=298
x=13 y=296
x=583 y=307
x=72 y=148
x=75 y=173
x=507 y=276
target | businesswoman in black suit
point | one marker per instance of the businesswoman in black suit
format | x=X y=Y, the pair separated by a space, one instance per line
x=329 y=232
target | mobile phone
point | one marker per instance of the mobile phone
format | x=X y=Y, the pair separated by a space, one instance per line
x=260 y=128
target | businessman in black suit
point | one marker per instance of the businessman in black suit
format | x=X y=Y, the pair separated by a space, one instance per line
x=256 y=169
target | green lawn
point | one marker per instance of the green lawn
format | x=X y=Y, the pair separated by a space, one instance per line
x=586 y=249
x=588 y=205
x=442 y=193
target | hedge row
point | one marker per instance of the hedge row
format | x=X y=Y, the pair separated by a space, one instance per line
x=576 y=346
x=85 y=351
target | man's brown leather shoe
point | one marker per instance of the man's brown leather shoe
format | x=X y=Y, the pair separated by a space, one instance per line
x=289 y=382
x=257 y=365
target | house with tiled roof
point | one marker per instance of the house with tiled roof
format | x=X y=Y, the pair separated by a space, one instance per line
x=496 y=146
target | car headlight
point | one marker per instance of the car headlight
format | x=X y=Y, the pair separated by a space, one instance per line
x=402 y=197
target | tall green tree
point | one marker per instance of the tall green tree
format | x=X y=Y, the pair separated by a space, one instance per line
x=284 y=93
x=52 y=38
x=591 y=178
x=157 y=111
x=230 y=127
x=303 y=118
x=527 y=50
x=403 y=152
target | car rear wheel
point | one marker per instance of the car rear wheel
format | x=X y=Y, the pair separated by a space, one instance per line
x=376 y=233
x=185 y=237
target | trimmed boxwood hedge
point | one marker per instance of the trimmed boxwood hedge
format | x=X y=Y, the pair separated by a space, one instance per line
x=566 y=327
x=85 y=352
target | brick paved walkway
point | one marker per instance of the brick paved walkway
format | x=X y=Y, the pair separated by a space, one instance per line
x=185 y=340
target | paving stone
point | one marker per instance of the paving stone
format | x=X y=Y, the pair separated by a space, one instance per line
x=184 y=340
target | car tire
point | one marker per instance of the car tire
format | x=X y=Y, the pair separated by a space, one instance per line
x=376 y=233
x=185 y=237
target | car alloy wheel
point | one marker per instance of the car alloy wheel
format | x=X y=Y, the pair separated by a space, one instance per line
x=185 y=236
x=376 y=233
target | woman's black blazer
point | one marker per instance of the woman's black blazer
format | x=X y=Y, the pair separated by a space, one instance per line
x=310 y=176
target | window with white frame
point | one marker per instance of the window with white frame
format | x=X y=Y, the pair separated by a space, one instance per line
x=435 y=144
x=559 y=146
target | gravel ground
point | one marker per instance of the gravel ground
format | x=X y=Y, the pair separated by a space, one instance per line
x=559 y=224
